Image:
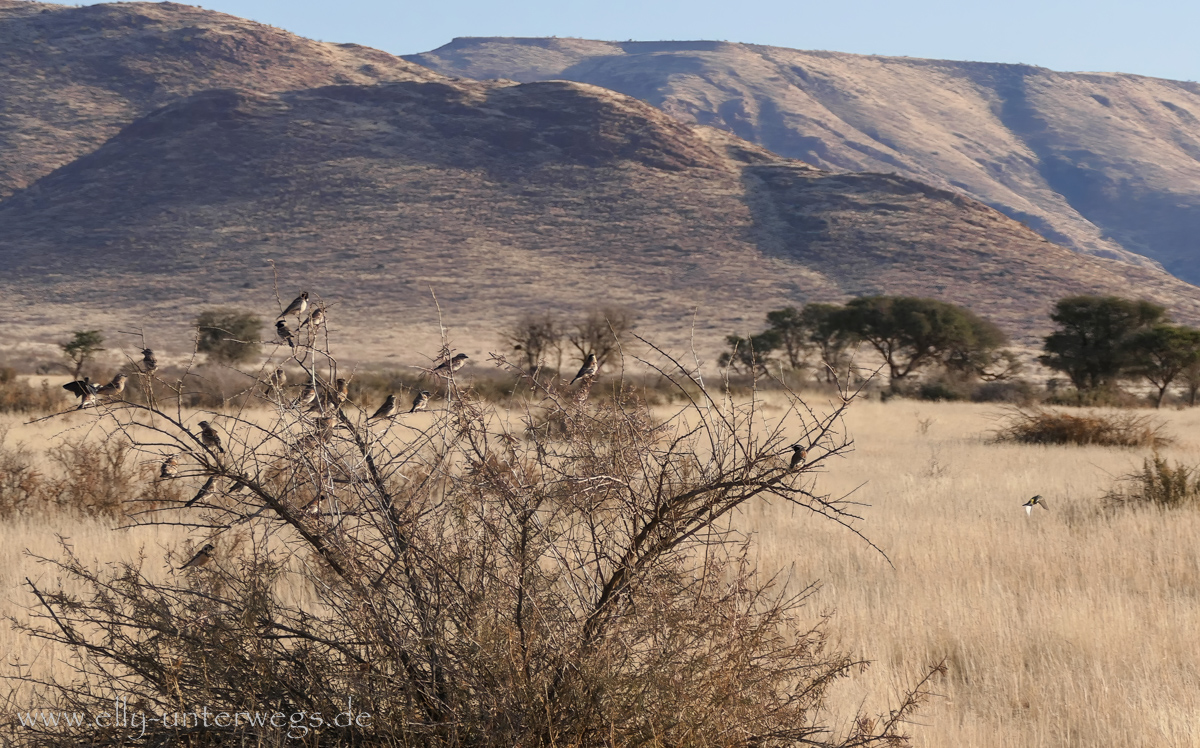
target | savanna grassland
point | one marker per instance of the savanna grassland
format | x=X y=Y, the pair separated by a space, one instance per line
x=1073 y=626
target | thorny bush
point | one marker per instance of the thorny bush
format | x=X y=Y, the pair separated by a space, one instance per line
x=461 y=577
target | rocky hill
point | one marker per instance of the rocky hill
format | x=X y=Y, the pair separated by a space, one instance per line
x=1105 y=163
x=500 y=198
x=71 y=78
x=503 y=199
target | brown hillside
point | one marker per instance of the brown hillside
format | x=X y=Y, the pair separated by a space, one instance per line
x=70 y=78
x=505 y=199
x=1106 y=163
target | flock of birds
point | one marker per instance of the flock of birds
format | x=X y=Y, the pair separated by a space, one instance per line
x=89 y=394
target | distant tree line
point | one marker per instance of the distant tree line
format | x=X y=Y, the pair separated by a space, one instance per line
x=1099 y=342
x=546 y=341
x=910 y=334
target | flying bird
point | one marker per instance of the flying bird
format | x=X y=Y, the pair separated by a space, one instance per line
x=420 y=401
x=113 y=388
x=298 y=306
x=281 y=329
x=83 y=389
x=204 y=490
x=453 y=364
x=149 y=362
x=799 y=455
x=386 y=410
x=169 y=467
x=1035 y=501
x=589 y=368
x=314 y=320
x=201 y=558
x=210 y=438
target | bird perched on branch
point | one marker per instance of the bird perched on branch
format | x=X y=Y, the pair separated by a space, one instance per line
x=420 y=401
x=113 y=388
x=589 y=368
x=209 y=437
x=84 y=390
x=307 y=395
x=281 y=329
x=1035 y=501
x=149 y=362
x=386 y=410
x=201 y=558
x=298 y=305
x=314 y=320
x=338 y=396
x=277 y=380
x=799 y=455
x=204 y=490
x=169 y=467
x=453 y=365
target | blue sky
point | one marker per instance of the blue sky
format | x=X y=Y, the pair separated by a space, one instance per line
x=1156 y=37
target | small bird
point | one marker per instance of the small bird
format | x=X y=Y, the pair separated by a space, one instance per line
x=210 y=438
x=386 y=410
x=338 y=396
x=307 y=395
x=113 y=388
x=204 y=490
x=298 y=306
x=169 y=467
x=453 y=364
x=314 y=320
x=588 y=370
x=149 y=362
x=276 y=381
x=281 y=329
x=1035 y=501
x=83 y=389
x=799 y=455
x=201 y=558
x=420 y=401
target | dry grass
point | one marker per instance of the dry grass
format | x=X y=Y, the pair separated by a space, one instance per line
x=1069 y=627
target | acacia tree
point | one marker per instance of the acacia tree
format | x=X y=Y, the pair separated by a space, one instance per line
x=791 y=332
x=911 y=333
x=1089 y=344
x=1191 y=382
x=602 y=332
x=81 y=349
x=752 y=354
x=534 y=338
x=824 y=332
x=229 y=336
x=468 y=580
x=1162 y=353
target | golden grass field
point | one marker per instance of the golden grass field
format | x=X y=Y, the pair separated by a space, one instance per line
x=1071 y=627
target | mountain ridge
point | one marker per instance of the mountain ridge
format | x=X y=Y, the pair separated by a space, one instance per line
x=1103 y=162
x=263 y=174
